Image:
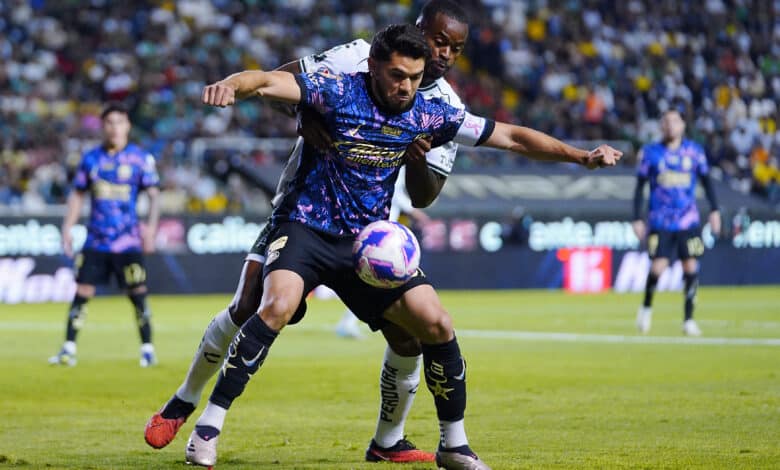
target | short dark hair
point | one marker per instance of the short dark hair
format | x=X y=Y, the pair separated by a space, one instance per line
x=446 y=7
x=114 y=108
x=404 y=39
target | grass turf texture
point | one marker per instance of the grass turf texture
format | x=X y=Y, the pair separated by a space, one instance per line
x=534 y=402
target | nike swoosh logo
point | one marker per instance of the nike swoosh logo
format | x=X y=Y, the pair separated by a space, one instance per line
x=354 y=131
x=253 y=361
x=462 y=375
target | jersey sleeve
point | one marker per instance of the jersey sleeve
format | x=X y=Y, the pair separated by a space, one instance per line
x=81 y=180
x=320 y=91
x=474 y=130
x=702 y=165
x=346 y=58
x=643 y=163
x=149 y=176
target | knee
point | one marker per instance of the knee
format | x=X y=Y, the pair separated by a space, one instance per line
x=277 y=310
x=438 y=329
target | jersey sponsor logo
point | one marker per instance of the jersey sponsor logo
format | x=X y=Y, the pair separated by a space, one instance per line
x=371 y=155
x=395 y=132
x=111 y=191
x=674 y=179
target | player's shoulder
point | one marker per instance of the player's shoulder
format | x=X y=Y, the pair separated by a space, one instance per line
x=442 y=89
x=693 y=145
x=653 y=150
x=92 y=154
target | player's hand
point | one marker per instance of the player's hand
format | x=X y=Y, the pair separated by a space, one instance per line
x=219 y=94
x=715 y=222
x=639 y=229
x=67 y=243
x=418 y=148
x=602 y=156
x=312 y=129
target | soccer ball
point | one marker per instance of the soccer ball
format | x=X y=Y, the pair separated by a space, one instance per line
x=386 y=254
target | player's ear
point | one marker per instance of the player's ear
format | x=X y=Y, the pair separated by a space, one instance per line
x=371 y=66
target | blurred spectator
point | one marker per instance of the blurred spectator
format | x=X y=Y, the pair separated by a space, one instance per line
x=581 y=69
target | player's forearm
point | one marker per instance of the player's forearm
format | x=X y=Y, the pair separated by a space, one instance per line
x=638 y=196
x=422 y=183
x=709 y=191
x=287 y=109
x=540 y=146
x=247 y=83
x=73 y=210
x=153 y=218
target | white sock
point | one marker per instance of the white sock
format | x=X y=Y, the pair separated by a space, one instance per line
x=453 y=434
x=213 y=415
x=147 y=348
x=69 y=347
x=397 y=386
x=209 y=357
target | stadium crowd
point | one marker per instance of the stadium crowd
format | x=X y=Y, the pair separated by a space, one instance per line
x=576 y=69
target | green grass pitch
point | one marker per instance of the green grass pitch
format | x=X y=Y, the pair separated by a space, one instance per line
x=554 y=381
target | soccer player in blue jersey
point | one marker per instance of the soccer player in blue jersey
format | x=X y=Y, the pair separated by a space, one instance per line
x=372 y=118
x=673 y=167
x=112 y=175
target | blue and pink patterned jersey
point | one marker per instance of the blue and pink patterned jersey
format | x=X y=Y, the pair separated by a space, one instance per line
x=114 y=182
x=673 y=175
x=350 y=185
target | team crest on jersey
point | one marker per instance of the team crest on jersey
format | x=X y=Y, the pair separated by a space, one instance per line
x=124 y=172
x=272 y=256
x=686 y=163
x=277 y=245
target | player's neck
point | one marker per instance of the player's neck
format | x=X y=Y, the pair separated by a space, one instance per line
x=426 y=81
x=114 y=149
x=673 y=144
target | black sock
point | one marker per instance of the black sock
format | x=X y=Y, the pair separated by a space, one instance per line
x=652 y=281
x=691 y=286
x=445 y=375
x=143 y=316
x=246 y=354
x=177 y=408
x=77 y=315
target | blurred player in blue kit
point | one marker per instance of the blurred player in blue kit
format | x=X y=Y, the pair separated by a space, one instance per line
x=112 y=175
x=673 y=167
x=372 y=118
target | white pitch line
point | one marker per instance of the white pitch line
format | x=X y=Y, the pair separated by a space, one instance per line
x=623 y=339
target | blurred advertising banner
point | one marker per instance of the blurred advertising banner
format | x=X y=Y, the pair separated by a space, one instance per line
x=205 y=254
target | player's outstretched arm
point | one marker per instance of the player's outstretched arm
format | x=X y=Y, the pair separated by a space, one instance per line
x=540 y=146
x=275 y=85
x=75 y=202
x=152 y=220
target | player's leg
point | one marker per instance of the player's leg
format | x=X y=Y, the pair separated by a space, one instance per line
x=90 y=270
x=398 y=383
x=163 y=425
x=690 y=247
x=348 y=326
x=130 y=271
x=289 y=275
x=657 y=249
x=420 y=312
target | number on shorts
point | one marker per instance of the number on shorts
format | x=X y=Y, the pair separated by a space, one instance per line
x=135 y=274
